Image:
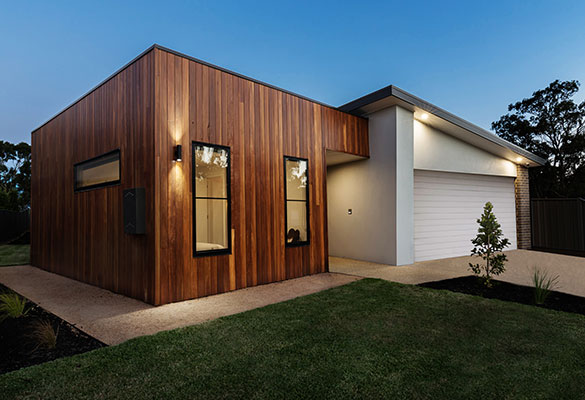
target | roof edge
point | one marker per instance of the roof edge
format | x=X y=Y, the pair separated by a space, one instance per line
x=369 y=98
x=110 y=77
x=199 y=61
x=162 y=48
x=391 y=90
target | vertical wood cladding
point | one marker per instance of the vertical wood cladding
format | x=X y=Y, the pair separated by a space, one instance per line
x=195 y=102
x=81 y=235
x=158 y=101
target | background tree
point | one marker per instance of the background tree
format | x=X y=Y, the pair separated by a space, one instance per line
x=15 y=169
x=552 y=125
x=489 y=244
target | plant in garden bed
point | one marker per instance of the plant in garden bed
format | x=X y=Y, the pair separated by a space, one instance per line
x=44 y=335
x=12 y=306
x=543 y=285
x=489 y=244
x=37 y=338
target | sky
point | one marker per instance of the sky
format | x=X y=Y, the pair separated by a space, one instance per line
x=472 y=58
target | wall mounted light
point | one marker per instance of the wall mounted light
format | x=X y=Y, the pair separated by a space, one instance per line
x=178 y=153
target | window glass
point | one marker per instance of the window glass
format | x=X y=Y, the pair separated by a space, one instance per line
x=296 y=179
x=97 y=172
x=297 y=205
x=211 y=173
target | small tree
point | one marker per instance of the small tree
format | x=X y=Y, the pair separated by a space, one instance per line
x=489 y=244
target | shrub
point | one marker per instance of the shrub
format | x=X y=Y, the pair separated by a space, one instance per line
x=489 y=244
x=543 y=285
x=12 y=306
x=44 y=335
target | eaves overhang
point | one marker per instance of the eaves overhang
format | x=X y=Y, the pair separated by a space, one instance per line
x=443 y=121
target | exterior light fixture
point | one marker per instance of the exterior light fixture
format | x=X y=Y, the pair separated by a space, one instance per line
x=178 y=153
x=518 y=159
x=424 y=116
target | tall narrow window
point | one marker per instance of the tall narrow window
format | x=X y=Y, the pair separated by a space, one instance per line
x=211 y=182
x=98 y=172
x=297 y=201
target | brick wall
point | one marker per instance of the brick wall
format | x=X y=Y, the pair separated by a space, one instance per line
x=523 y=232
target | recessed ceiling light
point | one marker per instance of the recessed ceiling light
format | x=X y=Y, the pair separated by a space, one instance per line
x=518 y=159
x=424 y=116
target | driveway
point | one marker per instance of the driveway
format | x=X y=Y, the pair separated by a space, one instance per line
x=112 y=318
x=519 y=269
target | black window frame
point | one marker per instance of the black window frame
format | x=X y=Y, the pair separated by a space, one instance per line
x=216 y=252
x=77 y=189
x=307 y=201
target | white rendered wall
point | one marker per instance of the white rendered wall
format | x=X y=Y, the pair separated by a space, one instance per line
x=381 y=226
x=437 y=151
x=404 y=208
x=380 y=191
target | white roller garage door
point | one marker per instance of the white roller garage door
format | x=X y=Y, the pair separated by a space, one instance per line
x=447 y=205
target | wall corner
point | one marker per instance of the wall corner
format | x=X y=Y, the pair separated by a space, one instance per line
x=404 y=128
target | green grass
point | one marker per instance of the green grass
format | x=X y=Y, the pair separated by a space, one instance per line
x=368 y=339
x=14 y=254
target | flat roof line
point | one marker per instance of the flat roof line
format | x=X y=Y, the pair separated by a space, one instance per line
x=138 y=57
x=244 y=76
x=162 y=48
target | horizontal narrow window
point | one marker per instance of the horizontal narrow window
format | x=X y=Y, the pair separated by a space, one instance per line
x=211 y=172
x=98 y=172
x=296 y=201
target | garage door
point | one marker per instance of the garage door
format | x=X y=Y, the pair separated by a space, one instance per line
x=447 y=205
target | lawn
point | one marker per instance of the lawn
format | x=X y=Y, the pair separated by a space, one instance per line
x=14 y=254
x=368 y=339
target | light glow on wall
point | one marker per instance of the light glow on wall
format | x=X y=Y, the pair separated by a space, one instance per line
x=178 y=134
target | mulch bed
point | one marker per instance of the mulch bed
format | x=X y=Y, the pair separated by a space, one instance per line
x=18 y=349
x=510 y=292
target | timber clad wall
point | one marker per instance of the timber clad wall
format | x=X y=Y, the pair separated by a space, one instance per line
x=523 y=208
x=160 y=100
x=81 y=235
x=261 y=125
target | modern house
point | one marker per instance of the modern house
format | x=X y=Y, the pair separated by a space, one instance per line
x=175 y=179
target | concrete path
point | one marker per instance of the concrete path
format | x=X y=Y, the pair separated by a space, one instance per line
x=519 y=269
x=112 y=318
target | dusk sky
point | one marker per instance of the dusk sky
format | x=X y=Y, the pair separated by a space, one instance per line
x=470 y=59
